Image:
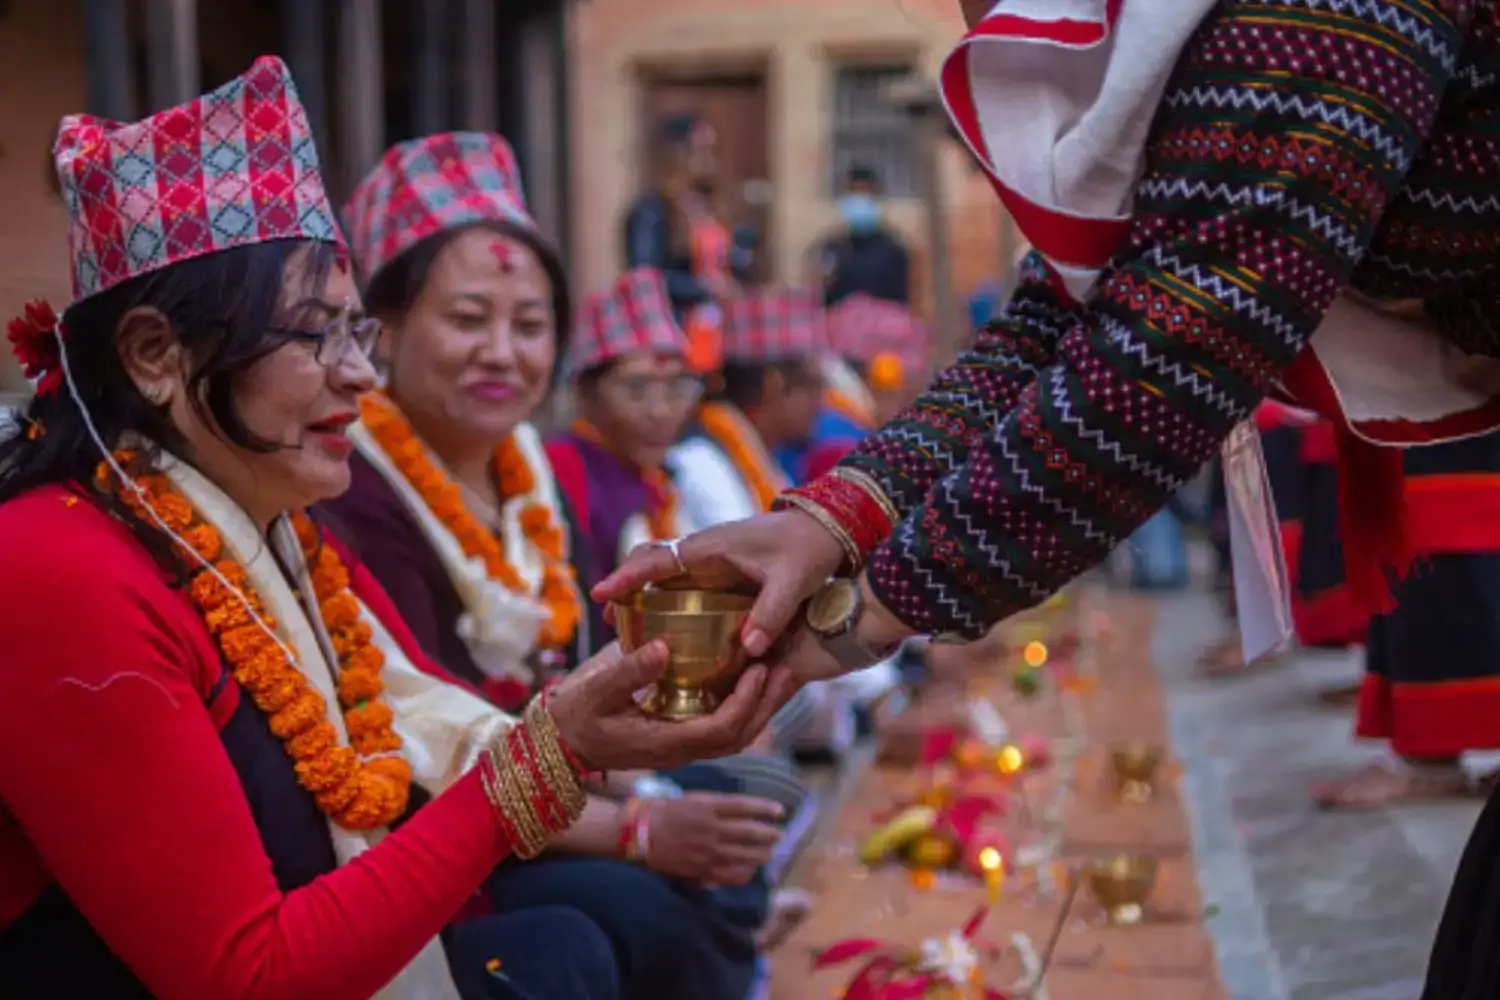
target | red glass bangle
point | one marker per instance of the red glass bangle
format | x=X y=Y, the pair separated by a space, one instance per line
x=858 y=513
x=544 y=800
x=508 y=828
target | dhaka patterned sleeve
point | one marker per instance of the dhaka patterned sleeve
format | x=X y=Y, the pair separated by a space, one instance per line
x=1286 y=130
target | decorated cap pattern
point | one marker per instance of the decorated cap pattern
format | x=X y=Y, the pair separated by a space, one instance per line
x=861 y=327
x=774 y=324
x=234 y=167
x=428 y=185
x=635 y=314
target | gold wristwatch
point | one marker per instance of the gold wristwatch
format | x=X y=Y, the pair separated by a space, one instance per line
x=832 y=613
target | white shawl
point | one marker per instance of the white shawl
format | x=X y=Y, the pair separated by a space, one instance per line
x=499 y=627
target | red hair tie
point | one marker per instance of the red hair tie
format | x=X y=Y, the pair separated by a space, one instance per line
x=34 y=342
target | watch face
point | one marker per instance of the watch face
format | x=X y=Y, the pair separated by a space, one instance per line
x=832 y=606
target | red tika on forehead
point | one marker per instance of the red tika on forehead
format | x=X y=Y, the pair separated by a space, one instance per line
x=506 y=252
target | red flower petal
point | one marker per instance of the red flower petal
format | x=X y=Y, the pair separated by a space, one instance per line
x=843 y=951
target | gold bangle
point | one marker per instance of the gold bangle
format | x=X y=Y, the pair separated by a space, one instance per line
x=505 y=787
x=562 y=777
x=866 y=482
x=830 y=523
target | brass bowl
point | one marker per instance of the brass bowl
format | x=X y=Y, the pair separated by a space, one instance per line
x=702 y=632
x=1135 y=767
x=1122 y=884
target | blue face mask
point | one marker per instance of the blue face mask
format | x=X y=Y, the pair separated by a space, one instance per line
x=860 y=213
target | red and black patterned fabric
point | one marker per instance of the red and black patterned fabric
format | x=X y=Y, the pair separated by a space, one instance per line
x=1301 y=146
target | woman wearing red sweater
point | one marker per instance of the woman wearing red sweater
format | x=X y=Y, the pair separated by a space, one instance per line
x=225 y=769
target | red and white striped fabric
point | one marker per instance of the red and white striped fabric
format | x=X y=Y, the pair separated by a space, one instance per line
x=773 y=324
x=1055 y=98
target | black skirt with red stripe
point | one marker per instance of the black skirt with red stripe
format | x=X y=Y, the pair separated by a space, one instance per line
x=1432 y=683
x=1304 y=481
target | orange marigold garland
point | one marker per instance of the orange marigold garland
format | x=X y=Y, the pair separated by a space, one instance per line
x=363 y=786
x=727 y=429
x=558 y=591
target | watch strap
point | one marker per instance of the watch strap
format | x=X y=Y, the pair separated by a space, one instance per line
x=851 y=652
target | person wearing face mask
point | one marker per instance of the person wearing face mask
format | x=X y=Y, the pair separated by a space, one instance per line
x=866 y=257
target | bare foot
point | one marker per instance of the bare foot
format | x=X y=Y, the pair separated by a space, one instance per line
x=1340 y=695
x=789 y=908
x=1226 y=658
x=1380 y=785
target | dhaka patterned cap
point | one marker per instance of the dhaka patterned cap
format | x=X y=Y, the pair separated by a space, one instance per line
x=634 y=315
x=232 y=168
x=429 y=185
x=774 y=324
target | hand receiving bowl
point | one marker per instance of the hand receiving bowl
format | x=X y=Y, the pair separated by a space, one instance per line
x=701 y=629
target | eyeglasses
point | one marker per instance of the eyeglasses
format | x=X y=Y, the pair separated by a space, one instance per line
x=677 y=390
x=333 y=342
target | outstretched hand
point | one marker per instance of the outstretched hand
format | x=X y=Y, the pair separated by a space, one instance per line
x=785 y=556
x=596 y=712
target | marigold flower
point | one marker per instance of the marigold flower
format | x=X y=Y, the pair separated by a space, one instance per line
x=516 y=479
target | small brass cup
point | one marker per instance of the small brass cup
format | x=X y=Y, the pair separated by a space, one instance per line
x=702 y=632
x=1135 y=767
x=1122 y=884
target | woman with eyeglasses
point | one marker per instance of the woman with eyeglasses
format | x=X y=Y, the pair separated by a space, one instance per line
x=456 y=509
x=226 y=768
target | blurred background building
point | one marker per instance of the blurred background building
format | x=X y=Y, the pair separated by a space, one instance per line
x=799 y=90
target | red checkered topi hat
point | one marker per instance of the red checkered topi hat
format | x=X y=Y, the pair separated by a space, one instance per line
x=635 y=315
x=774 y=324
x=234 y=167
x=429 y=185
x=861 y=327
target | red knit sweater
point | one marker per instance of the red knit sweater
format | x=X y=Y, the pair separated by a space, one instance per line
x=121 y=792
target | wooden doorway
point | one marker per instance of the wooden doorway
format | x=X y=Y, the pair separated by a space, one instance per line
x=737 y=106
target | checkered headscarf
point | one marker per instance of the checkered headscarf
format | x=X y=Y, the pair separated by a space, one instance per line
x=634 y=315
x=428 y=185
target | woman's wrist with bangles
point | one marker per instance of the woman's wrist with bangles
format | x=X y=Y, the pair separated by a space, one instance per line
x=533 y=781
x=850 y=506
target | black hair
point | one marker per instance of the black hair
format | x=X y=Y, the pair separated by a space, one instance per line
x=676 y=130
x=586 y=382
x=221 y=307
x=860 y=173
x=744 y=382
x=395 y=288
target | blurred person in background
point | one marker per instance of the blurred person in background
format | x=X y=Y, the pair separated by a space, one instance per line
x=678 y=229
x=865 y=257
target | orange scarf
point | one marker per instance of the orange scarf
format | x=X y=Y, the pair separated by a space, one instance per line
x=727 y=427
x=661 y=495
x=846 y=406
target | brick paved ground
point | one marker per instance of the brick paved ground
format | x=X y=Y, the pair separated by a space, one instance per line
x=1313 y=905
